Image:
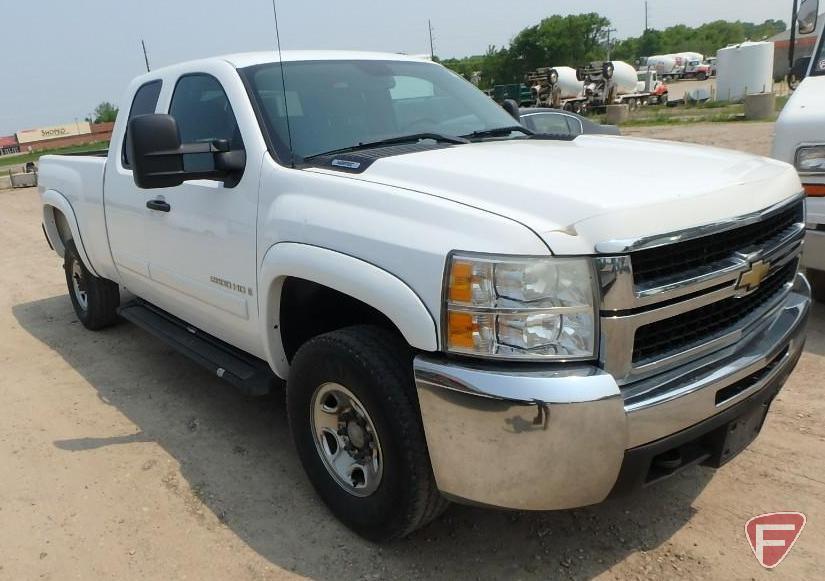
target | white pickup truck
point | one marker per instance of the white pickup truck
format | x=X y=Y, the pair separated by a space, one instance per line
x=800 y=140
x=460 y=309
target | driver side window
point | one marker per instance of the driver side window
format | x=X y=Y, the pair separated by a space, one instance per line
x=203 y=113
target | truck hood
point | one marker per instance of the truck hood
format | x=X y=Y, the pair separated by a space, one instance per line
x=574 y=194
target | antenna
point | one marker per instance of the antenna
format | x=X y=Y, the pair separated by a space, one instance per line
x=283 y=85
x=145 y=55
x=432 y=46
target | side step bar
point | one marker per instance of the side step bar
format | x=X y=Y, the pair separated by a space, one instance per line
x=251 y=375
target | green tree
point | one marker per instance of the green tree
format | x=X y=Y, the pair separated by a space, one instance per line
x=104 y=113
x=577 y=39
x=557 y=40
x=706 y=39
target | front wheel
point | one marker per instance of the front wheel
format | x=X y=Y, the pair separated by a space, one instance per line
x=817 y=280
x=95 y=300
x=354 y=418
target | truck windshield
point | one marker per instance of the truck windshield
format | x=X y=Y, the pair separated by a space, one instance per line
x=333 y=105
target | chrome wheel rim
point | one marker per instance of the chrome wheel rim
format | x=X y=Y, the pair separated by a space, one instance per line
x=79 y=286
x=346 y=439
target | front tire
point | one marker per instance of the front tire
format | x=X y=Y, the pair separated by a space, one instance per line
x=817 y=280
x=354 y=418
x=95 y=300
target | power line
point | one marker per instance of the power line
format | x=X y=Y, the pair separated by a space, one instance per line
x=609 y=30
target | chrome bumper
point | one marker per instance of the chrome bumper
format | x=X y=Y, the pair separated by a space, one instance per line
x=550 y=439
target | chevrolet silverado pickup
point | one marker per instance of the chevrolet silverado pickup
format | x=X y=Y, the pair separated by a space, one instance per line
x=461 y=310
x=800 y=140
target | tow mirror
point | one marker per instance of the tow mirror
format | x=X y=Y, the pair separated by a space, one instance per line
x=808 y=15
x=800 y=68
x=157 y=155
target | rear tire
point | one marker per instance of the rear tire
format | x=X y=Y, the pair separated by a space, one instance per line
x=817 y=280
x=95 y=300
x=375 y=478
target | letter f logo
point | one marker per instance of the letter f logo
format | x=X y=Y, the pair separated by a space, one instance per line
x=772 y=535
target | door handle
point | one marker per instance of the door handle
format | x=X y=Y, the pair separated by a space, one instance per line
x=159 y=205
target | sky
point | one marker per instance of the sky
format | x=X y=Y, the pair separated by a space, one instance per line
x=60 y=58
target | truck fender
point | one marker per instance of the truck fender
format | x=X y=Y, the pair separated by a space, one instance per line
x=55 y=201
x=346 y=274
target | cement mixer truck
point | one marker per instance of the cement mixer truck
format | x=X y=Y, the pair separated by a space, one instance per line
x=612 y=83
x=556 y=87
x=683 y=65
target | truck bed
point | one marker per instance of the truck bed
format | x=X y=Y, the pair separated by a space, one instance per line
x=79 y=179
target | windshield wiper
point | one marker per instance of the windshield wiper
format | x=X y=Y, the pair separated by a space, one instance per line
x=498 y=132
x=414 y=137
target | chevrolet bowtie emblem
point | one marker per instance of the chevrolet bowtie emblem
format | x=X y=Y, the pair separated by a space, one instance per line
x=753 y=277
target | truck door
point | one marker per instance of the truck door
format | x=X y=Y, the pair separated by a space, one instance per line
x=202 y=240
x=125 y=204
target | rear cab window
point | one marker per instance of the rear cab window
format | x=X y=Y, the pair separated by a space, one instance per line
x=144 y=103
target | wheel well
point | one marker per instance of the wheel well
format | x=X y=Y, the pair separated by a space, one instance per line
x=309 y=309
x=62 y=224
x=57 y=228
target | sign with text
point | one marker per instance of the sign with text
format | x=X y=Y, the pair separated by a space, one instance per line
x=55 y=132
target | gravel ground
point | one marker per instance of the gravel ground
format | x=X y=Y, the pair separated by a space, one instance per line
x=122 y=460
x=754 y=137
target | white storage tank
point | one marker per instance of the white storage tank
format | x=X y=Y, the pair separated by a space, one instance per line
x=744 y=69
x=570 y=86
x=625 y=77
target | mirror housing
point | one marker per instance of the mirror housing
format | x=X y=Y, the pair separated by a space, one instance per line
x=512 y=108
x=807 y=16
x=800 y=68
x=156 y=154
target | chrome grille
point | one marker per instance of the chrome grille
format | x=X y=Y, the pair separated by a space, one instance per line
x=659 y=339
x=663 y=264
x=663 y=317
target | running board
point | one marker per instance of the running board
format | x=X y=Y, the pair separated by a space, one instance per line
x=251 y=375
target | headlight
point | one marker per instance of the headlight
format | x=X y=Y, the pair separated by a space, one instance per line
x=811 y=159
x=520 y=308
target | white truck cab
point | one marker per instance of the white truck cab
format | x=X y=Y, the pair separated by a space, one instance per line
x=459 y=308
x=800 y=140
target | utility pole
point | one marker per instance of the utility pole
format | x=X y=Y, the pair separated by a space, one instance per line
x=432 y=46
x=647 y=27
x=145 y=55
x=609 y=47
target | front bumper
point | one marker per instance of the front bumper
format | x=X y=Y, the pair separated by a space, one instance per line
x=556 y=438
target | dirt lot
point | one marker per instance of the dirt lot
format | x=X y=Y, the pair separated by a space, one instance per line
x=121 y=460
x=743 y=135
